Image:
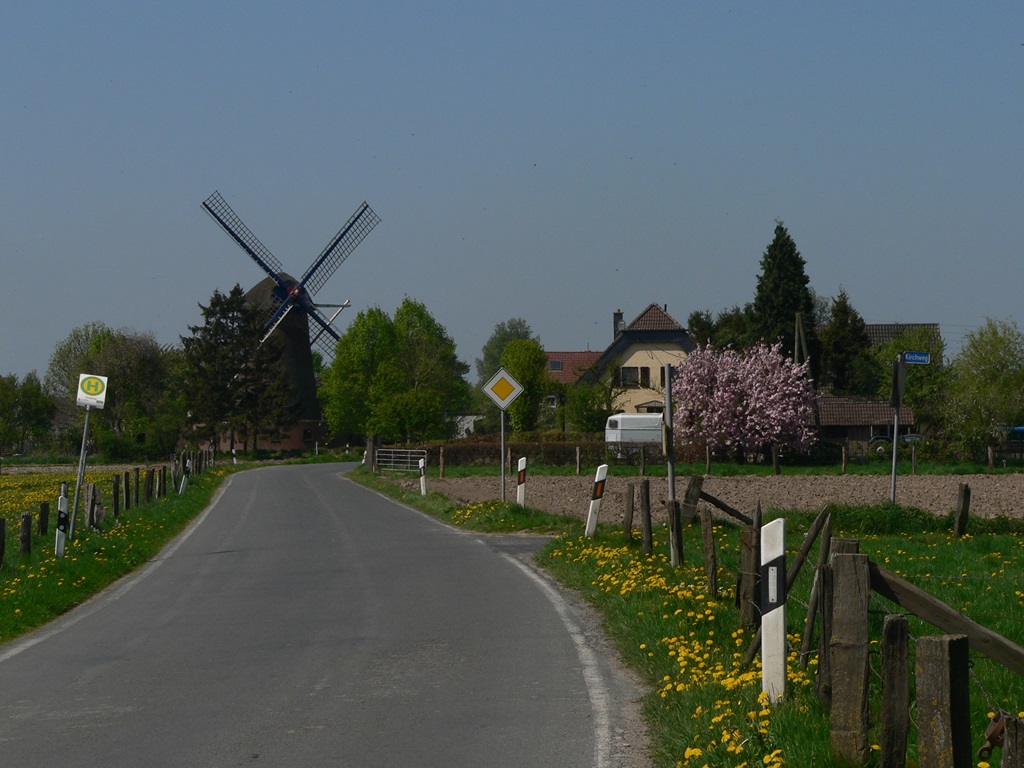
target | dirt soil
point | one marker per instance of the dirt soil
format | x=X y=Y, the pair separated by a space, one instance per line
x=991 y=495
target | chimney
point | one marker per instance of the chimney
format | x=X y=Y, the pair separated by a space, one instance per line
x=617 y=325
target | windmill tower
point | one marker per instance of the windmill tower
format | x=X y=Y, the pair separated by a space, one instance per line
x=291 y=313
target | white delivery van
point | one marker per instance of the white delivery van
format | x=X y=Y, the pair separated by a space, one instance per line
x=634 y=428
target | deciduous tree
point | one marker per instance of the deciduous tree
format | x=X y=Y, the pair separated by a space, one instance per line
x=527 y=362
x=138 y=373
x=504 y=332
x=589 y=404
x=986 y=393
x=747 y=400
x=926 y=385
x=394 y=379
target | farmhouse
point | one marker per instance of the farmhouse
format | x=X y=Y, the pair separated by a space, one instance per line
x=635 y=359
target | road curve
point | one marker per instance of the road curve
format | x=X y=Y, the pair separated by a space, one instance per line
x=304 y=620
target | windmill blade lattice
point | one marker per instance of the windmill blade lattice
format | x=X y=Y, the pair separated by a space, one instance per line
x=221 y=212
x=349 y=236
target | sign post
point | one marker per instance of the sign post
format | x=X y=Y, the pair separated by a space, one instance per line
x=675 y=523
x=503 y=389
x=899 y=384
x=92 y=393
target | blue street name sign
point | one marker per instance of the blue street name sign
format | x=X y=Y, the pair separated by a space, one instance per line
x=917 y=358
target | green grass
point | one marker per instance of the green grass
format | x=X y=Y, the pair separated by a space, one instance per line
x=705 y=708
x=487 y=516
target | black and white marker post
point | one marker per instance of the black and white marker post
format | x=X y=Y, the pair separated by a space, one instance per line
x=62 y=521
x=773 y=609
x=521 y=483
x=423 y=477
x=595 y=501
x=184 y=476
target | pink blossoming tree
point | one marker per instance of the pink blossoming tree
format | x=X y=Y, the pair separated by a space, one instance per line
x=746 y=400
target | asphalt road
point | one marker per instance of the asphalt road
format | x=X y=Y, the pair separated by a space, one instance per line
x=303 y=621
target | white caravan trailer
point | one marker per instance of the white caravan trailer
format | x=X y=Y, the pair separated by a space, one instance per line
x=634 y=428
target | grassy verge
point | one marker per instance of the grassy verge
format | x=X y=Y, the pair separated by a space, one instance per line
x=705 y=707
x=487 y=516
x=37 y=588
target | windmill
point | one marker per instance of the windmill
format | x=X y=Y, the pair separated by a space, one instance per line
x=290 y=310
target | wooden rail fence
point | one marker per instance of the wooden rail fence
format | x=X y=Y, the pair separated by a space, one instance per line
x=844 y=577
x=128 y=488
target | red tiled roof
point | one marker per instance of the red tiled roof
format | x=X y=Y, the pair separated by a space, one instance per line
x=654 y=318
x=569 y=365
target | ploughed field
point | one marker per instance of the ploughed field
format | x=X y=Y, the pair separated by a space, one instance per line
x=991 y=495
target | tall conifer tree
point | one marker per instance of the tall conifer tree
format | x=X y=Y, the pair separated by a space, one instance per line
x=783 y=290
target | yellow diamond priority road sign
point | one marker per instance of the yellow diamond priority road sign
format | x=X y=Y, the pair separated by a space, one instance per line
x=503 y=389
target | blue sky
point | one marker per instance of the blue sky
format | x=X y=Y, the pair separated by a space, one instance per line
x=550 y=161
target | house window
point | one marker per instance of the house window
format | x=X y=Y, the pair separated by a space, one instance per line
x=555 y=365
x=632 y=377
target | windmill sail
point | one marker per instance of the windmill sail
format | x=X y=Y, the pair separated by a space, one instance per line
x=221 y=212
x=349 y=236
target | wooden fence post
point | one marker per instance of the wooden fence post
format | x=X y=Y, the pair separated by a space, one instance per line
x=895 y=716
x=646 y=531
x=627 y=515
x=1013 y=744
x=691 y=497
x=963 y=508
x=440 y=463
x=746 y=579
x=824 y=550
x=26 y=533
x=848 y=723
x=710 y=558
x=44 y=517
x=677 y=518
x=135 y=487
x=88 y=499
x=823 y=680
x=127 y=483
x=3 y=538
x=943 y=702
x=115 y=495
